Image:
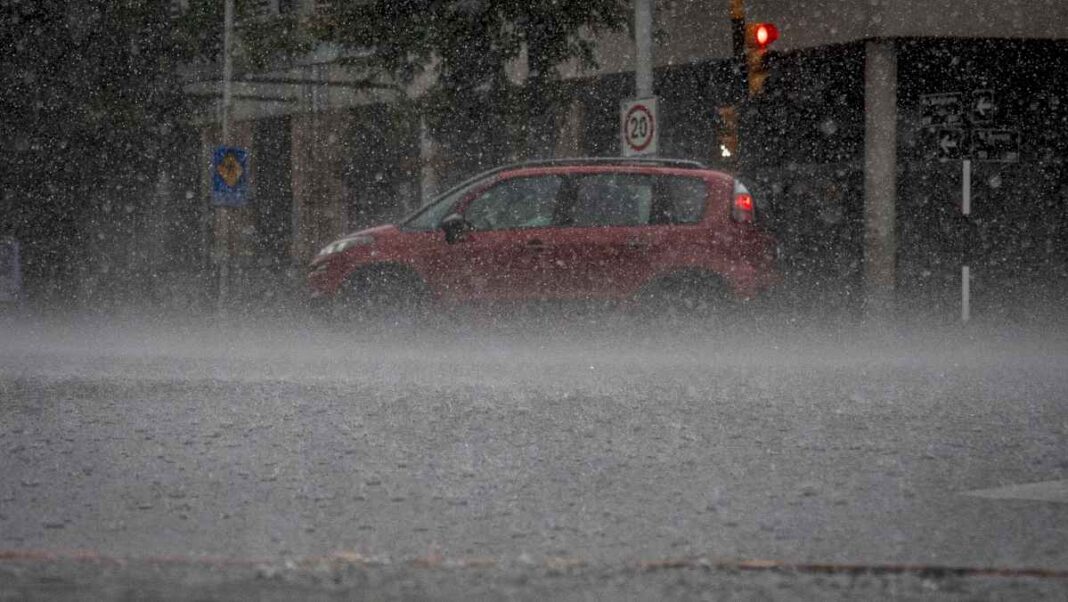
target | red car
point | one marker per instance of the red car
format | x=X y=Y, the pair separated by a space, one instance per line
x=670 y=232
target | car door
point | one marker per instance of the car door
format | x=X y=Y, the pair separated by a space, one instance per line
x=604 y=239
x=623 y=229
x=501 y=257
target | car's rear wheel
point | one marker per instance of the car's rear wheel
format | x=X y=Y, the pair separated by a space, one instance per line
x=386 y=295
x=685 y=298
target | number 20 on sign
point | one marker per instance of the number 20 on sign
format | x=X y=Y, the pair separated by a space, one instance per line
x=639 y=127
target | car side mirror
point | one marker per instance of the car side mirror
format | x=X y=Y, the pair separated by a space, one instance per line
x=455 y=227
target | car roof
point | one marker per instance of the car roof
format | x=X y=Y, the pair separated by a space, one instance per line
x=591 y=165
x=610 y=168
x=665 y=166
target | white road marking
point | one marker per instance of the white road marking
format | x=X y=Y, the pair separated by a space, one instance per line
x=1046 y=491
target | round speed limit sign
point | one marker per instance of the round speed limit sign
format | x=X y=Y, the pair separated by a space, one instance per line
x=639 y=127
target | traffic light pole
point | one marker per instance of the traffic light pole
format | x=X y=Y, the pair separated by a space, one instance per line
x=729 y=138
x=738 y=51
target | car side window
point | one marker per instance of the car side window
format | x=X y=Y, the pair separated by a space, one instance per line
x=679 y=200
x=612 y=200
x=524 y=202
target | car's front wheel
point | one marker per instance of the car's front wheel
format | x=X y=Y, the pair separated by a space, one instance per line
x=386 y=295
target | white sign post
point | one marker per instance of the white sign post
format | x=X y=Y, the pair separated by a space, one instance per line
x=639 y=127
x=965 y=271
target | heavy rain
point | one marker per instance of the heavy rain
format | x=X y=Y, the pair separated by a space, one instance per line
x=532 y=299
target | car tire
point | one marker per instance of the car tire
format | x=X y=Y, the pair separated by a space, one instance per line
x=684 y=299
x=383 y=295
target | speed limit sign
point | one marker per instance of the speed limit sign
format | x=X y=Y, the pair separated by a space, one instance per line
x=639 y=127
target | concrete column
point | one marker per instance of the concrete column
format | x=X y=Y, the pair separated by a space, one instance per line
x=880 y=176
x=570 y=127
x=319 y=194
x=428 y=163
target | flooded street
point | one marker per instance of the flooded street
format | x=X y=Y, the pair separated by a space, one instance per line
x=523 y=449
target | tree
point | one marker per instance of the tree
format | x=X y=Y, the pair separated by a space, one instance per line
x=91 y=99
x=467 y=45
x=91 y=92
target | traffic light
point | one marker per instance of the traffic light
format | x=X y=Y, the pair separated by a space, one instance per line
x=726 y=137
x=758 y=36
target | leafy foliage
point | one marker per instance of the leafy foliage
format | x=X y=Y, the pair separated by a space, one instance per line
x=93 y=102
x=264 y=39
x=465 y=47
x=91 y=97
x=468 y=42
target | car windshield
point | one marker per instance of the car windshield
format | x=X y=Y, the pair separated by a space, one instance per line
x=430 y=215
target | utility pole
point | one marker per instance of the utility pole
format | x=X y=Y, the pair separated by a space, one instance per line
x=643 y=41
x=223 y=219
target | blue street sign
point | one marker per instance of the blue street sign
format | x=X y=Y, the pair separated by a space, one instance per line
x=229 y=176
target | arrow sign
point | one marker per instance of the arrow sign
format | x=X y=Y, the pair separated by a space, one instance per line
x=984 y=109
x=948 y=143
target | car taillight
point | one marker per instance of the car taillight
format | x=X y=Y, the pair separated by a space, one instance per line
x=742 y=209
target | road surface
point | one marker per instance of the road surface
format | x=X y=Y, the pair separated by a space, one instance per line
x=198 y=460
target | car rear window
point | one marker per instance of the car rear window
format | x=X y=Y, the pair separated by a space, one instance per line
x=636 y=200
x=679 y=201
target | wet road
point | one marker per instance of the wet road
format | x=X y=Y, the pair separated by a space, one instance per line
x=537 y=447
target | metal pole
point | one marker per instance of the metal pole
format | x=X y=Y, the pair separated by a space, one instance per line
x=643 y=40
x=228 y=68
x=965 y=294
x=965 y=271
x=227 y=98
x=966 y=189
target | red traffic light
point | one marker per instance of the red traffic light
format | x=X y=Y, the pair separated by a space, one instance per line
x=765 y=33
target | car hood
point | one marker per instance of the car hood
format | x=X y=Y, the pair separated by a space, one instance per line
x=376 y=231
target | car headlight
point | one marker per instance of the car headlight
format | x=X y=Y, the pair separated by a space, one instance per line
x=345 y=243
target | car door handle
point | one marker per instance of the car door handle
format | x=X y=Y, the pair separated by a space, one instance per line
x=536 y=245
